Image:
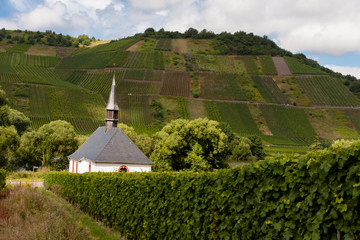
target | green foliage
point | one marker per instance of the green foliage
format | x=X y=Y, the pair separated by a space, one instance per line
x=310 y=197
x=182 y=108
x=176 y=142
x=89 y=60
x=297 y=67
x=9 y=142
x=251 y=65
x=163 y=44
x=2 y=178
x=47 y=145
x=269 y=90
x=256 y=146
x=290 y=123
x=19 y=120
x=267 y=64
x=325 y=90
x=142 y=141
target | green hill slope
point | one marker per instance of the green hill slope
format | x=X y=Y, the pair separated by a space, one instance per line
x=187 y=78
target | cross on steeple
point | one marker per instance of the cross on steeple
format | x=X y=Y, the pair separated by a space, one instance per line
x=112 y=108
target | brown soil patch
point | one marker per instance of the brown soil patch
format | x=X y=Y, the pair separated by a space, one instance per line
x=281 y=66
x=179 y=45
x=94 y=44
x=135 y=46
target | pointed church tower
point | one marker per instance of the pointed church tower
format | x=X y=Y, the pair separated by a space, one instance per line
x=112 y=109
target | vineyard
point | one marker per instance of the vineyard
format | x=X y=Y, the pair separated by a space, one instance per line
x=176 y=84
x=188 y=77
x=238 y=116
x=16 y=59
x=324 y=90
x=297 y=67
x=216 y=86
x=182 y=108
x=86 y=61
x=290 y=123
x=251 y=64
x=354 y=116
x=212 y=111
x=269 y=90
x=267 y=64
x=163 y=44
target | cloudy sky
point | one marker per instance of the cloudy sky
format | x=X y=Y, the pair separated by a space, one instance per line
x=325 y=30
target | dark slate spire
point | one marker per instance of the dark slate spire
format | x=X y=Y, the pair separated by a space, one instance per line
x=112 y=108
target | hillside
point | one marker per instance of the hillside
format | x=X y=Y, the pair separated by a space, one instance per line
x=271 y=93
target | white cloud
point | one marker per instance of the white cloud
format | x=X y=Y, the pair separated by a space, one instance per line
x=321 y=26
x=354 y=71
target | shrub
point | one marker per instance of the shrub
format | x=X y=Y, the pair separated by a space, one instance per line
x=314 y=196
x=2 y=178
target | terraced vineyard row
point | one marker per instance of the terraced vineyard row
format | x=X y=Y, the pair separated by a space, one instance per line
x=82 y=126
x=182 y=108
x=139 y=110
x=147 y=60
x=324 y=90
x=290 y=123
x=176 y=84
x=251 y=64
x=163 y=44
x=354 y=116
x=19 y=59
x=269 y=90
x=220 y=86
x=86 y=61
x=267 y=64
x=238 y=116
x=212 y=111
x=297 y=67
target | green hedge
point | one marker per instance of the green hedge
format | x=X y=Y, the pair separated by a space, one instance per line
x=311 y=197
x=2 y=178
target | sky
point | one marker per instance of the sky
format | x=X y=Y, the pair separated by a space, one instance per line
x=327 y=31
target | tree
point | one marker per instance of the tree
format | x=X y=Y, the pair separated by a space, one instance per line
x=189 y=145
x=191 y=33
x=257 y=148
x=149 y=32
x=19 y=120
x=48 y=144
x=9 y=141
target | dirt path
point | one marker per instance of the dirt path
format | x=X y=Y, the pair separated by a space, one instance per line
x=281 y=66
x=135 y=46
x=279 y=104
x=180 y=45
x=33 y=184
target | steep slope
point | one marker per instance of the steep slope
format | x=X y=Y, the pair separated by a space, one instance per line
x=279 y=98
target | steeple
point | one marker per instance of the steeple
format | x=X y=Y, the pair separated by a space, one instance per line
x=112 y=108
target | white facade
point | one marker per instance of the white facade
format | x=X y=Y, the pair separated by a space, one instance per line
x=86 y=165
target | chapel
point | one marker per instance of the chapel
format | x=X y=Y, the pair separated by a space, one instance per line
x=109 y=149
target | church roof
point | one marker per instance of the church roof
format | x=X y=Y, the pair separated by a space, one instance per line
x=112 y=102
x=113 y=146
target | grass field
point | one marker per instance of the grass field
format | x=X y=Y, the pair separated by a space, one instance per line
x=326 y=90
x=332 y=123
x=292 y=90
x=43 y=50
x=354 y=116
x=174 y=61
x=200 y=46
x=196 y=109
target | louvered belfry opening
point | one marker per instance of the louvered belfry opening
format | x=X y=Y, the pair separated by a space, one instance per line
x=112 y=108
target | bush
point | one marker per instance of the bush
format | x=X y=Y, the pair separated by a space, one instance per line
x=2 y=178
x=312 y=197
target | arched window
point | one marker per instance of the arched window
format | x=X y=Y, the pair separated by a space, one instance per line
x=123 y=169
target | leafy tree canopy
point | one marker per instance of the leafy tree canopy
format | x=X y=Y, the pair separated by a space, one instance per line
x=48 y=144
x=189 y=145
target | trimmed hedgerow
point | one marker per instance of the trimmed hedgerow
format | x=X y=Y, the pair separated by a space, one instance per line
x=313 y=197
